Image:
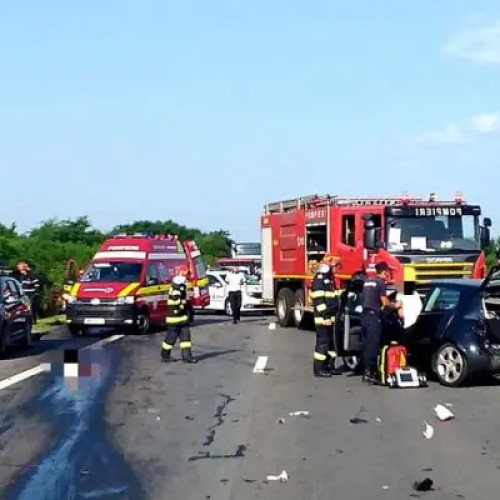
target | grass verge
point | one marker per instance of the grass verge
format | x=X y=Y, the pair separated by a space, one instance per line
x=44 y=324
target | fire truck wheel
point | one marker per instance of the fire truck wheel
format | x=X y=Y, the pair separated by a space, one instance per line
x=285 y=303
x=298 y=312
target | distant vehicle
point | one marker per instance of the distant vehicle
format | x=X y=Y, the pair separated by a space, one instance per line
x=15 y=315
x=219 y=296
x=456 y=335
x=126 y=283
x=246 y=251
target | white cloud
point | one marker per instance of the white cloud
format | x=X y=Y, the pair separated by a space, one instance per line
x=480 y=45
x=464 y=131
x=486 y=123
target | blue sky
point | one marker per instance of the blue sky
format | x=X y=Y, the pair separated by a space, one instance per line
x=202 y=112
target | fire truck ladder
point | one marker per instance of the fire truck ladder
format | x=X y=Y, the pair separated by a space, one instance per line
x=315 y=200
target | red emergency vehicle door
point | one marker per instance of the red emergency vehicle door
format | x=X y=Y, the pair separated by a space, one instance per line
x=156 y=303
x=350 y=242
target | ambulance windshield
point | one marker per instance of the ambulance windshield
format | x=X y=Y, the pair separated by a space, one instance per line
x=113 y=271
x=433 y=234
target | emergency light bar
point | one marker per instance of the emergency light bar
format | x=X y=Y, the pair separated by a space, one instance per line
x=459 y=198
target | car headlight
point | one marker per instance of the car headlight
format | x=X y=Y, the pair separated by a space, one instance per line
x=71 y=299
x=129 y=299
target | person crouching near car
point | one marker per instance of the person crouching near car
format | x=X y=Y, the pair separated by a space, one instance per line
x=177 y=319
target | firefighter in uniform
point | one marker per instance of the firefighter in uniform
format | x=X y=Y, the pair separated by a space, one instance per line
x=325 y=298
x=177 y=319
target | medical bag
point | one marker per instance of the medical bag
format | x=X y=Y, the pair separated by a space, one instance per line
x=394 y=370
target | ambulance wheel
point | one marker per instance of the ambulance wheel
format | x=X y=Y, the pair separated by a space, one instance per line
x=285 y=303
x=142 y=322
x=450 y=365
x=298 y=312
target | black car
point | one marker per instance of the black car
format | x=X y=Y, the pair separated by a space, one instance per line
x=15 y=314
x=456 y=336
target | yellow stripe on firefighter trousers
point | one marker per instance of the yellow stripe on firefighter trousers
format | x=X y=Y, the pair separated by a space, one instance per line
x=321 y=308
x=176 y=321
x=166 y=347
x=185 y=344
x=318 y=294
x=319 y=357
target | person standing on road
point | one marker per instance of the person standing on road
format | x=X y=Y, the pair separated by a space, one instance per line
x=177 y=319
x=374 y=302
x=325 y=298
x=235 y=281
x=31 y=286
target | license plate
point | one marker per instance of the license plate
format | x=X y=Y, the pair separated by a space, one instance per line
x=94 y=321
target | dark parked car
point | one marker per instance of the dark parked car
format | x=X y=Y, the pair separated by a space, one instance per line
x=15 y=314
x=457 y=334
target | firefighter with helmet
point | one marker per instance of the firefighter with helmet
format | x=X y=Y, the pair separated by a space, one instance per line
x=31 y=286
x=325 y=299
x=177 y=318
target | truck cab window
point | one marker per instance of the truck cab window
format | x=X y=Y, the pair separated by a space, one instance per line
x=349 y=230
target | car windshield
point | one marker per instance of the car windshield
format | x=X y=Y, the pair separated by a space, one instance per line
x=113 y=271
x=433 y=234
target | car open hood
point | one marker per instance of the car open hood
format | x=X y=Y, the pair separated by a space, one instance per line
x=492 y=280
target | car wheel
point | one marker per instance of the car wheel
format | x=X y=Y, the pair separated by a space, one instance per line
x=450 y=365
x=227 y=308
x=352 y=363
x=142 y=323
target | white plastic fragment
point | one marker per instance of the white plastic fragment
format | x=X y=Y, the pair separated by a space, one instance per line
x=429 y=431
x=272 y=326
x=443 y=413
x=301 y=413
x=385 y=487
x=379 y=420
x=260 y=364
x=283 y=477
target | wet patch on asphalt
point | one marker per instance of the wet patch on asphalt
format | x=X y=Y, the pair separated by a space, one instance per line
x=82 y=464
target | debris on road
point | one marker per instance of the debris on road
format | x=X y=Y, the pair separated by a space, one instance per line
x=300 y=413
x=260 y=364
x=443 y=413
x=272 y=326
x=84 y=472
x=189 y=417
x=429 y=431
x=379 y=420
x=357 y=420
x=386 y=487
x=423 y=485
x=283 y=477
x=280 y=421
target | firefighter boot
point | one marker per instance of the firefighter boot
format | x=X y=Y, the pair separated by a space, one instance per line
x=166 y=351
x=370 y=378
x=319 y=369
x=330 y=365
x=187 y=357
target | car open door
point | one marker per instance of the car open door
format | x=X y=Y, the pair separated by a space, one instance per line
x=493 y=278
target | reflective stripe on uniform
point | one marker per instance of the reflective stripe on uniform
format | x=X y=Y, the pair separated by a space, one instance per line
x=319 y=321
x=175 y=293
x=166 y=347
x=185 y=344
x=330 y=295
x=321 y=308
x=332 y=354
x=176 y=321
x=175 y=302
x=318 y=294
x=319 y=357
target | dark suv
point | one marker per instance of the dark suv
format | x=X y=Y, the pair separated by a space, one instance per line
x=15 y=314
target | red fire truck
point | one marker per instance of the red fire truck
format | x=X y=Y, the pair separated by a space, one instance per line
x=422 y=239
x=126 y=283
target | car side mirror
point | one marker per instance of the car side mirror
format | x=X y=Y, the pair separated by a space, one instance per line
x=152 y=282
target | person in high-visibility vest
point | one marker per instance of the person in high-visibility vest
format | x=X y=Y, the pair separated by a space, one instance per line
x=325 y=299
x=177 y=318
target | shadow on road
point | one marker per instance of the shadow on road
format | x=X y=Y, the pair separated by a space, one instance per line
x=214 y=354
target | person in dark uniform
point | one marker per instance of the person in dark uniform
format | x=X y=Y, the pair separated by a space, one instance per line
x=375 y=302
x=325 y=299
x=177 y=319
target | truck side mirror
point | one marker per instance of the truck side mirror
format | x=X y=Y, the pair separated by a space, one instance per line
x=487 y=222
x=485 y=237
x=371 y=240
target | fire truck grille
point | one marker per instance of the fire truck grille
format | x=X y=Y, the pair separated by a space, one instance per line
x=425 y=273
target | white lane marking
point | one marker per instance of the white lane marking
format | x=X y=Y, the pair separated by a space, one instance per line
x=105 y=341
x=45 y=367
x=260 y=364
x=42 y=368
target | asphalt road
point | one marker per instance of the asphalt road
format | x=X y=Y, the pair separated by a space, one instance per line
x=137 y=428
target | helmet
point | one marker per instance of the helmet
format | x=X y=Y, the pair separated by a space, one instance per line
x=333 y=260
x=324 y=267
